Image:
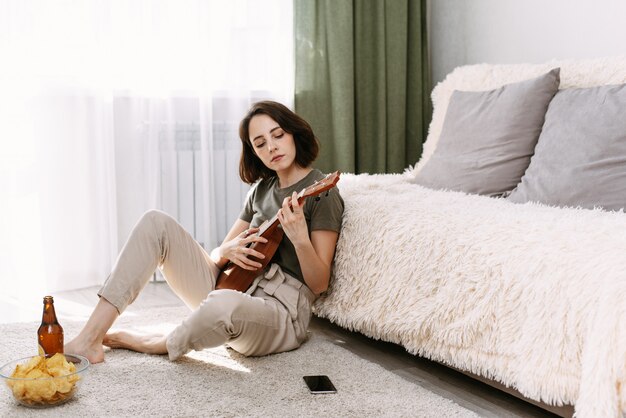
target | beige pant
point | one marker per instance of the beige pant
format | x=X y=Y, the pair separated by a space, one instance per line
x=272 y=316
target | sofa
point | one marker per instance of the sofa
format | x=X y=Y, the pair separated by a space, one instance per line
x=522 y=285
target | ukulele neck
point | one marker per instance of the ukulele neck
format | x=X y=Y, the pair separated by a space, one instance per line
x=271 y=222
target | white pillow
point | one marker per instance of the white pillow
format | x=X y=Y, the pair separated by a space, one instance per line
x=480 y=77
x=488 y=137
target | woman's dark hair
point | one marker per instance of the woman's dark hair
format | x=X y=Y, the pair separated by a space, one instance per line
x=251 y=168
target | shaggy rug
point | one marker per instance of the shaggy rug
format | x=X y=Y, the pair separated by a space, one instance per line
x=220 y=382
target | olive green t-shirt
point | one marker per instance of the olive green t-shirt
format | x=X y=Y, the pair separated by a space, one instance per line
x=264 y=200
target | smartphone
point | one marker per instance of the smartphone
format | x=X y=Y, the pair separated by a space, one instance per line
x=319 y=384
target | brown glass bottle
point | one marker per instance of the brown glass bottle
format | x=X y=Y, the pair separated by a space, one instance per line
x=50 y=332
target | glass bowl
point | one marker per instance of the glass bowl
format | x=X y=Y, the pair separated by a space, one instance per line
x=43 y=392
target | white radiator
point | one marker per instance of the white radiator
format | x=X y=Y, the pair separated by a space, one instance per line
x=181 y=186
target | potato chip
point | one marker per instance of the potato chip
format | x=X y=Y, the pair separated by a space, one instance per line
x=57 y=360
x=48 y=384
x=40 y=390
x=22 y=369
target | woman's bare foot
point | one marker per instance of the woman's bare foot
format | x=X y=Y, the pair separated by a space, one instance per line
x=149 y=344
x=93 y=351
x=88 y=343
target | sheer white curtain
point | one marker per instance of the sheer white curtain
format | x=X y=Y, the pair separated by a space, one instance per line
x=110 y=108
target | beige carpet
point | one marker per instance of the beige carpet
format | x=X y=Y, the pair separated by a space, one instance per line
x=220 y=382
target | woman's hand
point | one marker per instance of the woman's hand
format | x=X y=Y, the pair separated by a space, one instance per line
x=315 y=253
x=292 y=221
x=237 y=250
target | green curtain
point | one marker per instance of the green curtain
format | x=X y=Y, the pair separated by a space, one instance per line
x=362 y=81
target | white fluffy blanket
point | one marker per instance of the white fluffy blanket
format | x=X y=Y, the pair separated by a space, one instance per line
x=528 y=295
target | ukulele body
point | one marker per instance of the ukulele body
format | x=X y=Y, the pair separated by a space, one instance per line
x=236 y=278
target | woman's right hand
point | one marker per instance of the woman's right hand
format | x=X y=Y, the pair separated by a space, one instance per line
x=237 y=249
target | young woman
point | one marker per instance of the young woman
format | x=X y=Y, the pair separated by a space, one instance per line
x=278 y=148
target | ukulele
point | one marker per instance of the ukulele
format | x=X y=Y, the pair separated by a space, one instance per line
x=237 y=278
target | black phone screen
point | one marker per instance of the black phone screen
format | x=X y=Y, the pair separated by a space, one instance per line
x=319 y=384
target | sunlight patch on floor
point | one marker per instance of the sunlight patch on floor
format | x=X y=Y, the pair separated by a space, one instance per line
x=163 y=328
x=218 y=356
x=67 y=309
x=20 y=310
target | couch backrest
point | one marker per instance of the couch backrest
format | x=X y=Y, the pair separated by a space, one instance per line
x=479 y=77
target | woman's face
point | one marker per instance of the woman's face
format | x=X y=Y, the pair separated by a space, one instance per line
x=275 y=147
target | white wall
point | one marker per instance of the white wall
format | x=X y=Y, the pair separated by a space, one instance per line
x=530 y=31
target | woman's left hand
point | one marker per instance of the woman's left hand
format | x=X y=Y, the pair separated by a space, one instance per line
x=292 y=220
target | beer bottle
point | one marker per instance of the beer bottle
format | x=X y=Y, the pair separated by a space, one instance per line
x=50 y=333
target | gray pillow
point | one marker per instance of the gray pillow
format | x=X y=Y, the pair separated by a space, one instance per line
x=580 y=159
x=488 y=137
